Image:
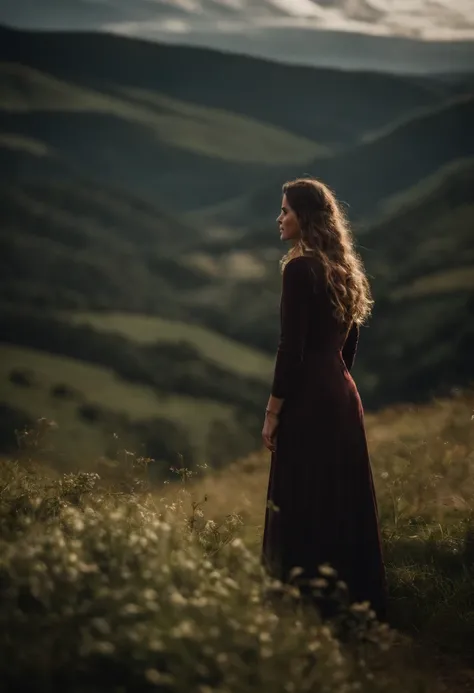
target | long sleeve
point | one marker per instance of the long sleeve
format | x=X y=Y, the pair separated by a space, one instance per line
x=294 y=316
x=350 y=347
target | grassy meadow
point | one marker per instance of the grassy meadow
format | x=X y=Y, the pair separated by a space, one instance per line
x=91 y=405
x=110 y=584
x=422 y=458
x=145 y=329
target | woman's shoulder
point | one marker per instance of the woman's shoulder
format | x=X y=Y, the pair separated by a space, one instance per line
x=302 y=266
x=300 y=262
x=302 y=271
x=296 y=267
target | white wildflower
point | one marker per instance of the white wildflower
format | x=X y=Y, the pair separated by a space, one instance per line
x=177 y=598
x=327 y=570
x=185 y=629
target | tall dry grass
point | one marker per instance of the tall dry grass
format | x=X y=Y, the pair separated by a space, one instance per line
x=109 y=584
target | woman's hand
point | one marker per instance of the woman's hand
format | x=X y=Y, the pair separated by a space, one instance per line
x=269 y=431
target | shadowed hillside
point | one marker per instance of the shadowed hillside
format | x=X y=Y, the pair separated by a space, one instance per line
x=266 y=91
x=106 y=266
x=94 y=245
x=131 y=114
x=157 y=147
x=419 y=257
x=70 y=246
x=383 y=164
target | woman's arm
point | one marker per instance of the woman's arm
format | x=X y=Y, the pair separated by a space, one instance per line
x=293 y=331
x=349 y=349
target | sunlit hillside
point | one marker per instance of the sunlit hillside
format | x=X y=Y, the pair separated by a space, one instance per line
x=423 y=465
x=422 y=457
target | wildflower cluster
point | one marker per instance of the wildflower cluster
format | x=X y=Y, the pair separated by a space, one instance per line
x=109 y=593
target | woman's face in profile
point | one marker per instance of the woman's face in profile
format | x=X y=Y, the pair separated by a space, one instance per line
x=288 y=222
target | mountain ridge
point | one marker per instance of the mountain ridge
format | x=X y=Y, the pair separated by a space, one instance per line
x=99 y=58
x=358 y=34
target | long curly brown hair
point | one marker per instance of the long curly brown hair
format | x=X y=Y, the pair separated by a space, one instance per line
x=326 y=234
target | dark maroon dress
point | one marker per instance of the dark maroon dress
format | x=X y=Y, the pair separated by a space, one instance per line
x=320 y=477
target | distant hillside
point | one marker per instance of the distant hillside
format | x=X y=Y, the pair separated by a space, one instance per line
x=346 y=50
x=266 y=91
x=424 y=230
x=102 y=153
x=341 y=39
x=70 y=247
x=95 y=244
x=22 y=156
x=132 y=115
x=69 y=244
x=420 y=259
x=155 y=146
x=385 y=163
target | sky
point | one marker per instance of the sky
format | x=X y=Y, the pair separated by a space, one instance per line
x=424 y=19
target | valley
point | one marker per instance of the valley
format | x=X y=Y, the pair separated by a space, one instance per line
x=138 y=235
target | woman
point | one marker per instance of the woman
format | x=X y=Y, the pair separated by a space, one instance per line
x=320 y=478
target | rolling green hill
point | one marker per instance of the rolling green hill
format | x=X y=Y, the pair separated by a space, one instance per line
x=102 y=269
x=71 y=245
x=308 y=102
x=99 y=414
x=235 y=357
x=150 y=144
x=132 y=114
x=102 y=248
x=418 y=253
x=386 y=163
x=196 y=129
x=425 y=230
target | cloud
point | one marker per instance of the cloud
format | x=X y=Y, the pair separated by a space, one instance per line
x=424 y=19
x=444 y=19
